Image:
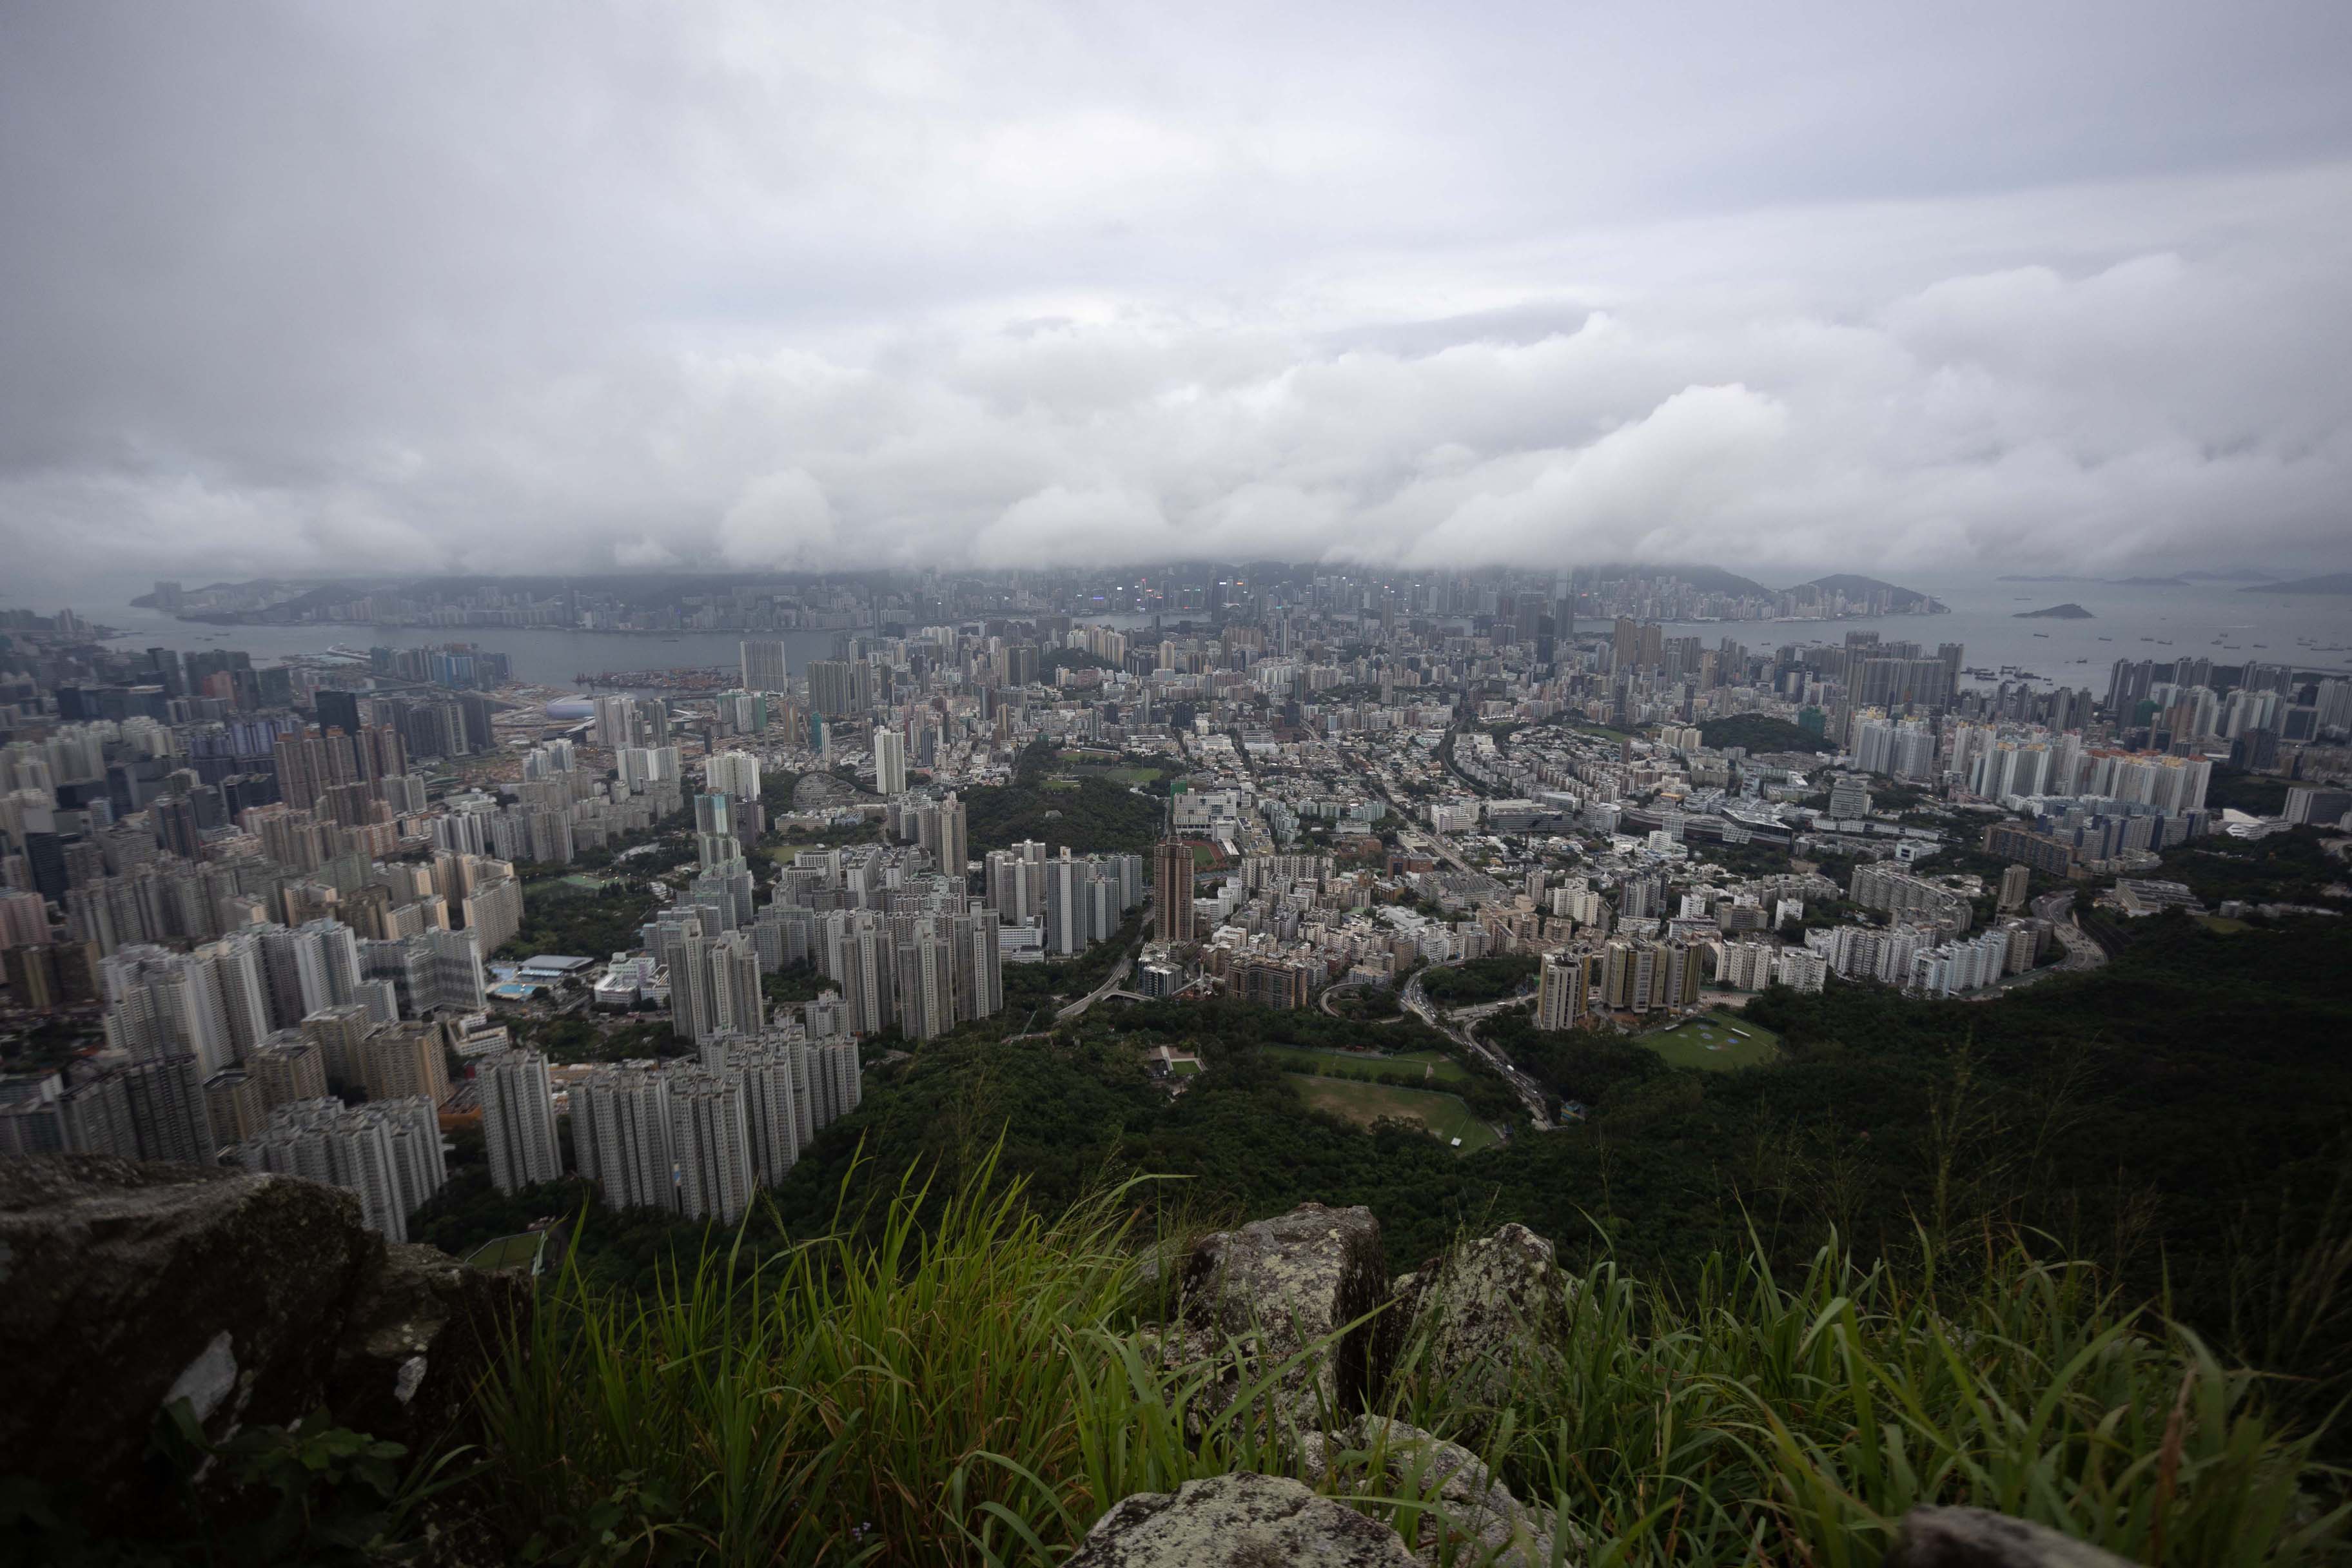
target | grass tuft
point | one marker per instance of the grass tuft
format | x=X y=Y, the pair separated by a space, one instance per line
x=978 y=1388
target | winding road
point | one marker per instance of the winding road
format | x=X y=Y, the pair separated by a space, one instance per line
x=1458 y=1028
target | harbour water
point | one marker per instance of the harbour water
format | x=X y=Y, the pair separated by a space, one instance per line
x=2201 y=620
x=2205 y=620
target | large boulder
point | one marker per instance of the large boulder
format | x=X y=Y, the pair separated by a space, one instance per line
x=1238 y=1520
x=259 y=1299
x=417 y=1343
x=1278 y=1287
x=1489 y=1312
x=124 y=1286
x=1470 y=1517
x=1978 y=1538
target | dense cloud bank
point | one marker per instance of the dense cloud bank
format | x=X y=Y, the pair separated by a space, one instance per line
x=300 y=289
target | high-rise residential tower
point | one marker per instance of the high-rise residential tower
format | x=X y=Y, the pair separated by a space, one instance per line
x=763 y=666
x=519 y=1120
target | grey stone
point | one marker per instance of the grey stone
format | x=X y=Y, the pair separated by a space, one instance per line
x=1473 y=1518
x=126 y=1278
x=1238 y=1520
x=259 y=1299
x=1978 y=1538
x=1489 y=1312
x=419 y=1339
x=1280 y=1285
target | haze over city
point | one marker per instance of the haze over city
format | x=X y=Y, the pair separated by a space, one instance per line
x=309 y=289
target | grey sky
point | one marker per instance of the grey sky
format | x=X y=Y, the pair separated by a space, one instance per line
x=534 y=287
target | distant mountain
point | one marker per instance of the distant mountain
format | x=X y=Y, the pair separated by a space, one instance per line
x=2240 y=574
x=1855 y=587
x=2181 y=581
x=1706 y=579
x=2070 y=611
x=2334 y=583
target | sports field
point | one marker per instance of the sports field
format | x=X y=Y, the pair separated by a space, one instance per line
x=1443 y=1115
x=1433 y=1066
x=508 y=1251
x=1715 y=1041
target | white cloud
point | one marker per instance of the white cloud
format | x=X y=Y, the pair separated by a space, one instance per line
x=780 y=521
x=734 y=287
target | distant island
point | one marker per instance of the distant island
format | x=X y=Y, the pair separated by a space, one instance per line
x=2334 y=583
x=1906 y=601
x=2069 y=611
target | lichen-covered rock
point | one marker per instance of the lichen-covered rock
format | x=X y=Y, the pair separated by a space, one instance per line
x=1278 y=1285
x=124 y=1286
x=1473 y=1518
x=1978 y=1538
x=1489 y=1312
x=1238 y=1520
x=259 y=1299
x=424 y=1331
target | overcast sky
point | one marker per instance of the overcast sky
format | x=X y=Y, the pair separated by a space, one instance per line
x=542 y=287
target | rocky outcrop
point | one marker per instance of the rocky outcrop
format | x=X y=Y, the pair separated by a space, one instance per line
x=1238 y=1520
x=1279 y=1287
x=259 y=1299
x=1488 y=1311
x=1976 y=1537
x=417 y=1343
x=1471 y=1517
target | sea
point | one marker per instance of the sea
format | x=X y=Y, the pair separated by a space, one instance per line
x=537 y=656
x=2211 y=620
x=2160 y=622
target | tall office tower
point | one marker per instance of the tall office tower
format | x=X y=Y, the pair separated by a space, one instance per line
x=1172 y=887
x=287 y=1067
x=764 y=1064
x=735 y=775
x=889 y=762
x=164 y=1096
x=337 y=709
x=763 y=666
x=621 y=1135
x=1561 y=989
x=711 y=1144
x=519 y=1120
